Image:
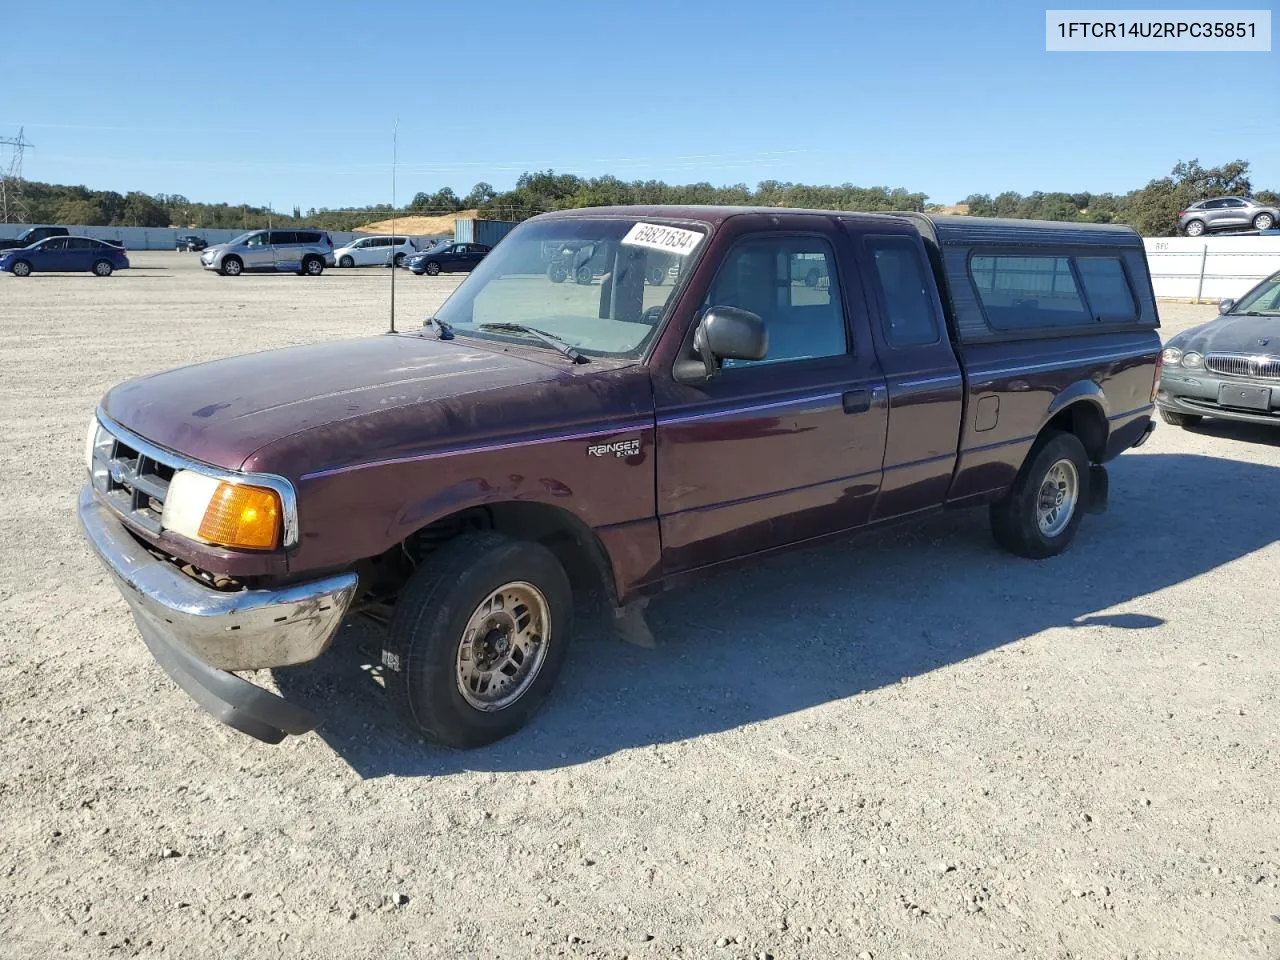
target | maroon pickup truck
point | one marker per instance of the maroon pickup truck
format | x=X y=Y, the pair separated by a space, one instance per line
x=806 y=374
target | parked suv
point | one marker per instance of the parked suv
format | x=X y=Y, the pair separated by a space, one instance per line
x=375 y=252
x=447 y=258
x=1226 y=213
x=304 y=252
x=461 y=482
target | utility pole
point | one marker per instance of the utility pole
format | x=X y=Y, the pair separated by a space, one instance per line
x=13 y=204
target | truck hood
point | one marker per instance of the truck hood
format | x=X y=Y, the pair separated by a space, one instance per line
x=223 y=411
x=1232 y=334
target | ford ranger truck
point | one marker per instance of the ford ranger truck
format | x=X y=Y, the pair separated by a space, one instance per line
x=809 y=374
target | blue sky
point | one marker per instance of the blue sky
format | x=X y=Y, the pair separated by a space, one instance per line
x=294 y=103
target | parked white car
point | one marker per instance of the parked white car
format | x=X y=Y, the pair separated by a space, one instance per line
x=374 y=251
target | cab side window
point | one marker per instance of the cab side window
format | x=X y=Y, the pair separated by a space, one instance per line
x=906 y=303
x=789 y=282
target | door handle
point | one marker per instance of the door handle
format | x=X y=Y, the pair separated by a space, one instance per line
x=856 y=401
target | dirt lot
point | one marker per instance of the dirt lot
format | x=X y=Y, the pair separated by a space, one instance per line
x=907 y=746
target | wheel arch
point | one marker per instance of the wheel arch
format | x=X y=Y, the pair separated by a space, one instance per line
x=1082 y=410
x=564 y=533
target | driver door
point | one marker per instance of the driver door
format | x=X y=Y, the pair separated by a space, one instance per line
x=258 y=254
x=784 y=449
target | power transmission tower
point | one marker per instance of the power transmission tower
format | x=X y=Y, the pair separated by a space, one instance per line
x=13 y=204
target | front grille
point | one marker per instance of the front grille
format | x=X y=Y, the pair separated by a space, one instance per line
x=1234 y=365
x=133 y=484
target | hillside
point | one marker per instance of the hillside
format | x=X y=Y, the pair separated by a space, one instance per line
x=440 y=225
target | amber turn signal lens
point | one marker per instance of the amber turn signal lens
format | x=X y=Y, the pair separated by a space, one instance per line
x=242 y=516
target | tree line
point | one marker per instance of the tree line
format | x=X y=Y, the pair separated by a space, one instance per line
x=1152 y=210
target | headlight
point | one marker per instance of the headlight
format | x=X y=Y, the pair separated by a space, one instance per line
x=1193 y=360
x=225 y=514
x=90 y=440
x=1172 y=356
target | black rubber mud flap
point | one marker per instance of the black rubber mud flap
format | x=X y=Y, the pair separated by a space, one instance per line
x=1098 y=489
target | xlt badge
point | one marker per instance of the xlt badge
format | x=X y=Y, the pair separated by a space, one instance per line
x=619 y=448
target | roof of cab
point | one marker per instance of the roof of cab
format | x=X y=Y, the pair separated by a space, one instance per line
x=943 y=230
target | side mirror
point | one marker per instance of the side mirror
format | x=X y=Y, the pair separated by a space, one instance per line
x=728 y=333
x=1224 y=306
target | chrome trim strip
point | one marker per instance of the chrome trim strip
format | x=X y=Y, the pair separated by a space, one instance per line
x=483 y=448
x=288 y=497
x=976 y=373
x=926 y=381
x=749 y=408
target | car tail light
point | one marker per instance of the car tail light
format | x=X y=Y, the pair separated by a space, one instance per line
x=1155 y=384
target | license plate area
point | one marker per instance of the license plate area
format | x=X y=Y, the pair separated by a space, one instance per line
x=1244 y=397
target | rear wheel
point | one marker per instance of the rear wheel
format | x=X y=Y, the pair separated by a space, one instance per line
x=346 y=261
x=312 y=266
x=232 y=267
x=583 y=275
x=1264 y=221
x=21 y=268
x=1180 y=419
x=1194 y=228
x=478 y=636
x=433 y=269
x=102 y=268
x=1040 y=516
x=399 y=260
x=656 y=276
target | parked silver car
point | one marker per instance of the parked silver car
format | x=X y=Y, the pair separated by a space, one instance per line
x=304 y=252
x=1228 y=368
x=1227 y=213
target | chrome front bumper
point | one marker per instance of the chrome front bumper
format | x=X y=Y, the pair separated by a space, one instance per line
x=197 y=634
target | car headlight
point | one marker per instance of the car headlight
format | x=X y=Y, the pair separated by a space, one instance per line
x=225 y=514
x=1193 y=360
x=1172 y=356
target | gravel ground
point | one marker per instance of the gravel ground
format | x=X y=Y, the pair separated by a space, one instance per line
x=906 y=746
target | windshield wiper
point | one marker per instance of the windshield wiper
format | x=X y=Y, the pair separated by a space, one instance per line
x=550 y=339
x=445 y=328
x=1256 y=313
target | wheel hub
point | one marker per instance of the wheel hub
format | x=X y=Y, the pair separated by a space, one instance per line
x=503 y=646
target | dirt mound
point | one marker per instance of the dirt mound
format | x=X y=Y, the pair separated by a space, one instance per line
x=440 y=224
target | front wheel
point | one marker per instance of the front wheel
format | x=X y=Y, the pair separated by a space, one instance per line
x=583 y=275
x=232 y=266
x=102 y=268
x=433 y=269
x=1180 y=419
x=1040 y=516
x=21 y=268
x=557 y=272
x=1264 y=221
x=346 y=262
x=478 y=636
x=399 y=260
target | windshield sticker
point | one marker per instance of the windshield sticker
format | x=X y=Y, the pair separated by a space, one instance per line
x=667 y=239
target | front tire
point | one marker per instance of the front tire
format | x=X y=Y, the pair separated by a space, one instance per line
x=1040 y=516
x=1180 y=419
x=102 y=268
x=1264 y=221
x=346 y=262
x=557 y=272
x=21 y=268
x=478 y=637
x=398 y=260
x=432 y=269
x=232 y=267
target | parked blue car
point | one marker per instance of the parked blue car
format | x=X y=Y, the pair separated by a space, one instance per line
x=65 y=255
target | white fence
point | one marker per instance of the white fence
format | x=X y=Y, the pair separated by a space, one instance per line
x=1211 y=268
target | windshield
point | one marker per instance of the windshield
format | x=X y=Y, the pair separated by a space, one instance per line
x=601 y=286
x=1264 y=298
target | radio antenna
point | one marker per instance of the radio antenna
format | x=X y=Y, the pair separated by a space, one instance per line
x=395 y=133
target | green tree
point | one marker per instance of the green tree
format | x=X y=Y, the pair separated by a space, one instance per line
x=141 y=210
x=86 y=212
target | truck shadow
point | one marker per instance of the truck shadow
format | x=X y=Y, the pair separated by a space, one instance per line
x=826 y=624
